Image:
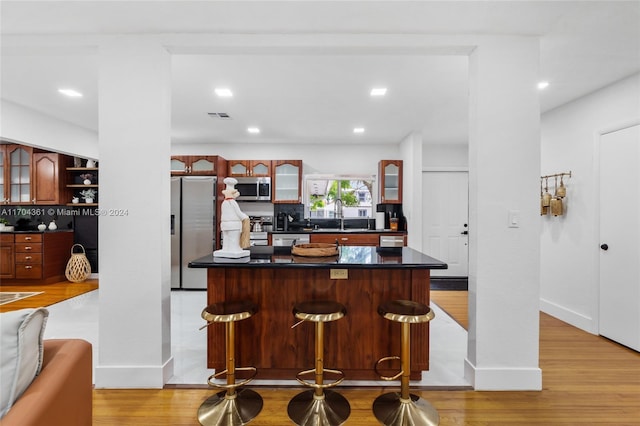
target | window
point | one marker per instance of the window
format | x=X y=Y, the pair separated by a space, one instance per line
x=327 y=196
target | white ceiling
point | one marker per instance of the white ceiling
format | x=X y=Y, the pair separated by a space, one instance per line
x=312 y=96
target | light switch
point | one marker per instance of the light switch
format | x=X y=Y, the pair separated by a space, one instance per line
x=514 y=218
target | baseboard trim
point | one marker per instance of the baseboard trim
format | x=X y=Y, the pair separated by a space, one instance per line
x=503 y=379
x=573 y=318
x=133 y=376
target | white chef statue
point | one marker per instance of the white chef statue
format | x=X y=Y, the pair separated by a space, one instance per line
x=231 y=223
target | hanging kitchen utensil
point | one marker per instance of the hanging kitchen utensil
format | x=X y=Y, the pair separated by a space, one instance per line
x=546 y=197
x=561 y=191
x=556 y=207
x=543 y=209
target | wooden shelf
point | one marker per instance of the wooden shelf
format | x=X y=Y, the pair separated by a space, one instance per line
x=81 y=169
x=82 y=204
x=80 y=185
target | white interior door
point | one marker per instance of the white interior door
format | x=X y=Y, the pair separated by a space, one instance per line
x=445 y=218
x=619 y=235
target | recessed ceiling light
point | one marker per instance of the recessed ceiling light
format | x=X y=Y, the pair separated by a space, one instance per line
x=358 y=130
x=543 y=85
x=71 y=93
x=223 y=92
x=378 y=91
x=253 y=130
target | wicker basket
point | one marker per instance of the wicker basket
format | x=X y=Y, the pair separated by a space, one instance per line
x=78 y=267
x=315 y=250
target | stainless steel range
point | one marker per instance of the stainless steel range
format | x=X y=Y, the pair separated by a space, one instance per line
x=260 y=228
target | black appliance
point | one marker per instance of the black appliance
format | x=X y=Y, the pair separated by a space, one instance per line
x=393 y=210
x=288 y=216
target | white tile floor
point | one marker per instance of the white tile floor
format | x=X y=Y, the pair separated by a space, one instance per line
x=78 y=318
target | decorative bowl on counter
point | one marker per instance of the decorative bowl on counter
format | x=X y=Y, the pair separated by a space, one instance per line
x=315 y=250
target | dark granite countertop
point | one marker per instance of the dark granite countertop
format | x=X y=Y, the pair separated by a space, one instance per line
x=338 y=231
x=35 y=231
x=349 y=257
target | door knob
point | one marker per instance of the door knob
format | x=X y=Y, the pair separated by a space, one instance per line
x=604 y=247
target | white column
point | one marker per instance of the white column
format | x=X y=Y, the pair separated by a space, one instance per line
x=504 y=171
x=134 y=349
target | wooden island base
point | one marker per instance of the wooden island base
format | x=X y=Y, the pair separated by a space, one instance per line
x=353 y=344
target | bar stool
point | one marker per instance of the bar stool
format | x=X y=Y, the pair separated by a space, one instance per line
x=404 y=408
x=320 y=406
x=231 y=406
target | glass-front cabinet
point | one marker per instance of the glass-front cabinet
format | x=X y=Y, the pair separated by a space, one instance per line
x=17 y=163
x=194 y=165
x=3 y=170
x=255 y=168
x=287 y=181
x=390 y=181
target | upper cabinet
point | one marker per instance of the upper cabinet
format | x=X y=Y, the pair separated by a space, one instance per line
x=390 y=181
x=203 y=165
x=31 y=176
x=17 y=174
x=49 y=171
x=255 y=168
x=287 y=181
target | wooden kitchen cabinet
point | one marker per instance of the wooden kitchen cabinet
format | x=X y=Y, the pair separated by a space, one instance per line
x=196 y=165
x=31 y=176
x=253 y=168
x=7 y=257
x=390 y=181
x=346 y=239
x=4 y=178
x=351 y=239
x=17 y=174
x=39 y=257
x=287 y=181
x=49 y=177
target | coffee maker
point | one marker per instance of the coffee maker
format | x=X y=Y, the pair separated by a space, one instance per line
x=286 y=214
x=392 y=211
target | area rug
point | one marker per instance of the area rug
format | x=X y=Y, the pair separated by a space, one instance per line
x=12 y=296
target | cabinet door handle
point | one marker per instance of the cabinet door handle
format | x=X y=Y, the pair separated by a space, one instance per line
x=28 y=257
x=27 y=238
x=345 y=239
x=28 y=267
x=27 y=248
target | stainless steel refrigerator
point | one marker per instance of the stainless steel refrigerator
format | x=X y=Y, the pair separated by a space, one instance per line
x=193 y=228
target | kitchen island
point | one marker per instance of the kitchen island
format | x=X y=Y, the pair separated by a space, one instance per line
x=360 y=277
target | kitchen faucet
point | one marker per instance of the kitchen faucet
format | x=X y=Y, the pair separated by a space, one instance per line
x=337 y=211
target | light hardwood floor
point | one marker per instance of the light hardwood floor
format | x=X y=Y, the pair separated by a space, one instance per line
x=586 y=380
x=50 y=293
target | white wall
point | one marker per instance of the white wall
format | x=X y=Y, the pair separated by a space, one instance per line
x=570 y=243
x=31 y=127
x=445 y=156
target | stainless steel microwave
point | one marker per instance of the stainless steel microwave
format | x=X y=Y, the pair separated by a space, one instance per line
x=254 y=188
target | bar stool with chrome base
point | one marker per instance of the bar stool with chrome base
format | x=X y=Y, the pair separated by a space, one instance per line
x=320 y=406
x=404 y=408
x=231 y=406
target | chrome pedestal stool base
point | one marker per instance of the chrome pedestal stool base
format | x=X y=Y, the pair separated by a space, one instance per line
x=330 y=409
x=230 y=410
x=391 y=410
